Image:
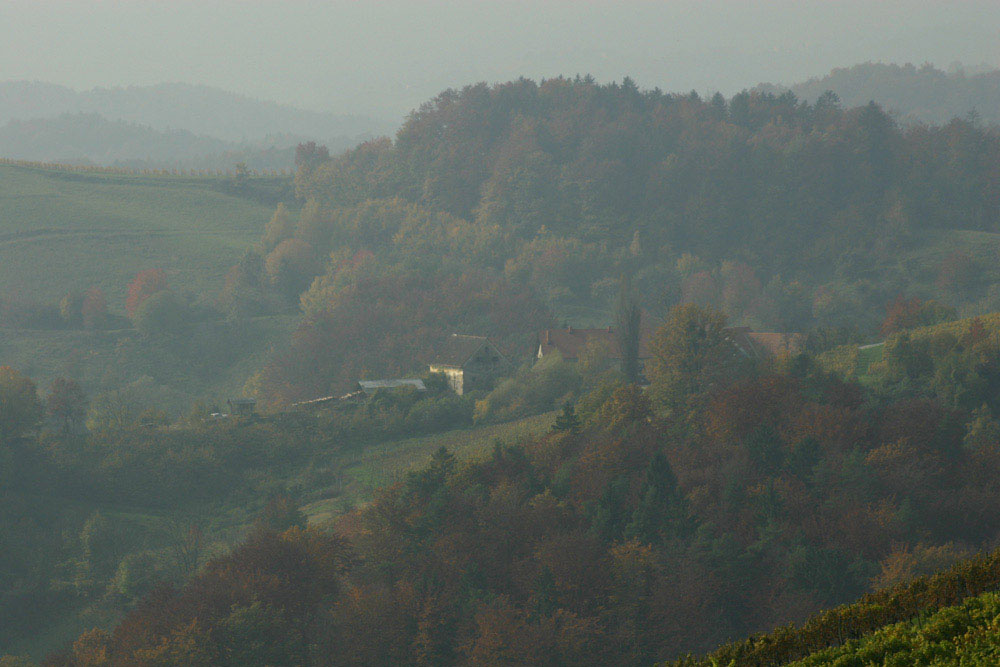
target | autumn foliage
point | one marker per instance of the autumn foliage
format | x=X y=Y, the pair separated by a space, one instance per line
x=144 y=285
x=637 y=538
x=903 y=313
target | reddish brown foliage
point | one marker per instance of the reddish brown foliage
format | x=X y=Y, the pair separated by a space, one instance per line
x=145 y=284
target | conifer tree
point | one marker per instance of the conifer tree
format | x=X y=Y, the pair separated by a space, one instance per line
x=567 y=421
x=628 y=318
x=657 y=502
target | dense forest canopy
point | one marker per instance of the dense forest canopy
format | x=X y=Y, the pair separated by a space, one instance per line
x=785 y=215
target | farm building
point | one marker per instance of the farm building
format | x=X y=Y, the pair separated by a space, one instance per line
x=242 y=407
x=469 y=363
x=570 y=342
x=364 y=389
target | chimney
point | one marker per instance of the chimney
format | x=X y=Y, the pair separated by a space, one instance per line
x=548 y=337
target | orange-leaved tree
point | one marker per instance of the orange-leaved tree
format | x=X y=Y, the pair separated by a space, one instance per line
x=144 y=285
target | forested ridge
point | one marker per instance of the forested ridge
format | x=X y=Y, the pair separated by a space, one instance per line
x=785 y=215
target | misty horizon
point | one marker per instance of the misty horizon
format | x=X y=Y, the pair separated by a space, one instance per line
x=387 y=59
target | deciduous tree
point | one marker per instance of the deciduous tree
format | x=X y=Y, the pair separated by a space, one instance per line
x=146 y=284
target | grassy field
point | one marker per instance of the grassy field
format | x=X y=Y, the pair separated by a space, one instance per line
x=62 y=230
x=94 y=359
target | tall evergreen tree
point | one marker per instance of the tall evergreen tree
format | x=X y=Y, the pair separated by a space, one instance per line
x=657 y=506
x=628 y=318
x=567 y=421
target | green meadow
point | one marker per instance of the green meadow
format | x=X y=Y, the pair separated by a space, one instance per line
x=62 y=230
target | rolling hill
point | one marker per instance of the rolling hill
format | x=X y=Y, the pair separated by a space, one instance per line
x=167 y=125
x=197 y=109
x=948 y=618
x=965 y=634
x=63 y=230
x=92 y=138
x=919 y=94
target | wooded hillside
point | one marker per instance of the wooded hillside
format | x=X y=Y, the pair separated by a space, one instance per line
x=726 y=500
x=785 y=215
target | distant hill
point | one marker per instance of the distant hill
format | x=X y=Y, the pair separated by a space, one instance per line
x=197 y=109
x=92 y=139
x=169 y=125
x=925 y=94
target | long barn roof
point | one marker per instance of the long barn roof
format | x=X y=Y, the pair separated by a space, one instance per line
x=458 y=349
x=571 y=342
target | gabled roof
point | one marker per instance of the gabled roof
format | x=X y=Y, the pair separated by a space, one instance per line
x=570 y=342
x=777 y=344
x=457 y=349
x=761 y=345
x=371 y=386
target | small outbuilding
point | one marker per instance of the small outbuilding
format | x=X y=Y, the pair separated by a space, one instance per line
x=242 y=407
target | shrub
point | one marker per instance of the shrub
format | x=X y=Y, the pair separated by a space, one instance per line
x=534 y=389
x=161 y=313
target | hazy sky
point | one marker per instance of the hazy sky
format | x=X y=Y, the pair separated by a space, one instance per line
x=385 y=57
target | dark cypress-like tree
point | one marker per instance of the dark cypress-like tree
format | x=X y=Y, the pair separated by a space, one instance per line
x=657 y=508
x=628 y=318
